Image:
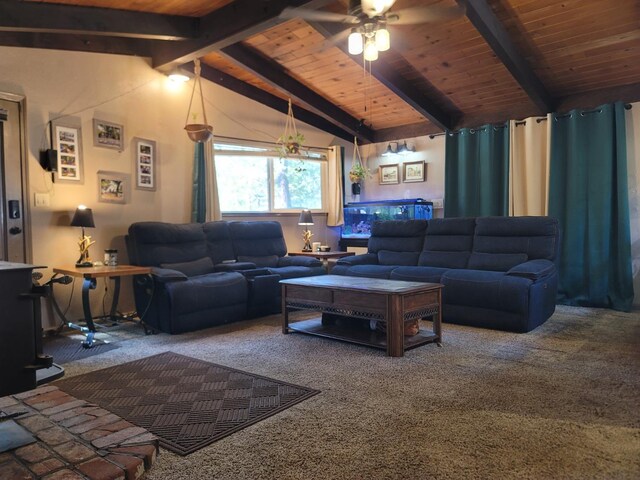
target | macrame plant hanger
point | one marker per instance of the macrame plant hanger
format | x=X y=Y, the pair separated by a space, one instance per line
x=290 y=141
x=198 y=132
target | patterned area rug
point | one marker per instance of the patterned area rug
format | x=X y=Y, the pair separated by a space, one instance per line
x=65 y=349
x=187 y=403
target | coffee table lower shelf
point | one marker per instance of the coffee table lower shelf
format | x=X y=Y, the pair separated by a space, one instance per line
x=360 y=336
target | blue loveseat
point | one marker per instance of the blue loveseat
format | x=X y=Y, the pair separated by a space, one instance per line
x=497 y=272
x=207 y=274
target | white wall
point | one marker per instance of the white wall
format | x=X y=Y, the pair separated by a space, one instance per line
x=431 y=150
x=124 y=90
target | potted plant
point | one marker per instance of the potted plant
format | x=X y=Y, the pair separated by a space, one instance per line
x=290 y=144
x=358 y=173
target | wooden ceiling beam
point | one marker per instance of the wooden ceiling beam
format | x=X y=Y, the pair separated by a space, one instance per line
x=624 y=93
x=225 y=26
x=489 y=26
x=68 y=19
x=78 y=43
x=395 y=82
x=402 y=132
x=254 y=93
x=275 y=75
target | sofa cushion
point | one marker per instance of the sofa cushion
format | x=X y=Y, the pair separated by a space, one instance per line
x=297 y=271
x=201 y=266
x=397 y=235
x=448 y=242
x=444 y=259
x=418 y=274
x=499 y=262
x=535 y=236
x=485 y=289
x=218 y=239
x=386 y=257
x=261 y=261
x=257 y=239
x=207 y=292
x=369 y=271
x=156 y=243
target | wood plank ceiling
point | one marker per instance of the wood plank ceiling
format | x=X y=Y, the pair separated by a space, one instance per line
x=502 y=59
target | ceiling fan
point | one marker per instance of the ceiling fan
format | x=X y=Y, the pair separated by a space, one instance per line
x=369 y=34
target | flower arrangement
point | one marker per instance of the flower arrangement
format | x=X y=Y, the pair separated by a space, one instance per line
x=290 y=144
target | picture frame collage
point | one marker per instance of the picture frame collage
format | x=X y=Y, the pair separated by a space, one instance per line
x=411 y=172
x=113 y=187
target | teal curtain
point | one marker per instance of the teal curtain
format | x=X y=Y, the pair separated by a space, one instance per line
x=199 y=189
x=588 y=193
x=476 y=180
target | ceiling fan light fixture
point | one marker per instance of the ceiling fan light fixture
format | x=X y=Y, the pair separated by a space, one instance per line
x=370 y=51
x=383 y=39
x=355 y=42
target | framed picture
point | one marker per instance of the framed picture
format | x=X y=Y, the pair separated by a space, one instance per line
x=414 y=171
x=145 y=164
x=388 y=174
x=108 y=135
x=67 y=140
x=113 y=187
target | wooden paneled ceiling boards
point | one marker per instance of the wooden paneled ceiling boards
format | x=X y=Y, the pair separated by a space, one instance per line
x=496 y=60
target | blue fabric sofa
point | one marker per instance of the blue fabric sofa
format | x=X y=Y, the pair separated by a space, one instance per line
x=497 y=272
x=207 y=274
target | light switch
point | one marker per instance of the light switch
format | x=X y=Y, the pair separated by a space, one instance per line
x=42 y=200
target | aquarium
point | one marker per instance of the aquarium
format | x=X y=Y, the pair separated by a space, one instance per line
x=359 y=216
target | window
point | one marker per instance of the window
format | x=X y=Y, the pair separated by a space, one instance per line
x=253 y=179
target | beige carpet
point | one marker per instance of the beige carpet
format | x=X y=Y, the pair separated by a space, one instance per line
x=560 y=402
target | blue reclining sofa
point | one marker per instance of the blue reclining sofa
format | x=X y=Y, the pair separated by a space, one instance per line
x=497 y=272
x=207 y=274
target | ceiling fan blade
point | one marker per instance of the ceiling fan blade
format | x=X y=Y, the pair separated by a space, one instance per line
x=373 y=8
x=317 y=15
x=415 y=15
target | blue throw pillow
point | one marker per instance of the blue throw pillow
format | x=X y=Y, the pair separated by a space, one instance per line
x=202 y=266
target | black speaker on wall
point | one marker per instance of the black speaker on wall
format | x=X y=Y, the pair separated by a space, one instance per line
x=49 y=159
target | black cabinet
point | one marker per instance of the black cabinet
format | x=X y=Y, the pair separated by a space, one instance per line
x=20 y=329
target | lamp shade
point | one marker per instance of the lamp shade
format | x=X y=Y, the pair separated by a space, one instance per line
x=83 y=217
x=305 y=218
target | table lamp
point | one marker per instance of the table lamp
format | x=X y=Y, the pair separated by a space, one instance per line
x=83 y=218
x=306 y=219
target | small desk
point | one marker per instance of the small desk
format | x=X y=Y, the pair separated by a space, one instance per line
x=89 y=276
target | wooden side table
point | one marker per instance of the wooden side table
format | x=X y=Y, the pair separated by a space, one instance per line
x=90 y=276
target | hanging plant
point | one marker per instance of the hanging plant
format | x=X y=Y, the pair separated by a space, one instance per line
x=290 y=142
x=198 y=132
x=358 y=171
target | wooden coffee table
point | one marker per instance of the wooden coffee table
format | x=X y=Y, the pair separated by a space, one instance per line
x=391 y=301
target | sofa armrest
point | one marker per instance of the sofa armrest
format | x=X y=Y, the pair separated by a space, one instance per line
x=533 y=269
x=167 y=275
x=364 y=259
x=299 y=261
x=233 y=266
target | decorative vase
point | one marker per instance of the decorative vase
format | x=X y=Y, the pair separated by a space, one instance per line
x=355 y=189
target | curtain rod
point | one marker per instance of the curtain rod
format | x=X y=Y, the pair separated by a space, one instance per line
x=627 y=106
x=265 y=142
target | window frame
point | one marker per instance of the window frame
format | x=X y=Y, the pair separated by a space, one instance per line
x=238 y=150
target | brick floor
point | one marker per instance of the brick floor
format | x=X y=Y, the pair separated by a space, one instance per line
x=76 y=440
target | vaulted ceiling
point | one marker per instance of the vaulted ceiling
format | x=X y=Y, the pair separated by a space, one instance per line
x=500 y=60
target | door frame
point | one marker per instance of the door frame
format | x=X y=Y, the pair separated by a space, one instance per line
x=21 y=100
